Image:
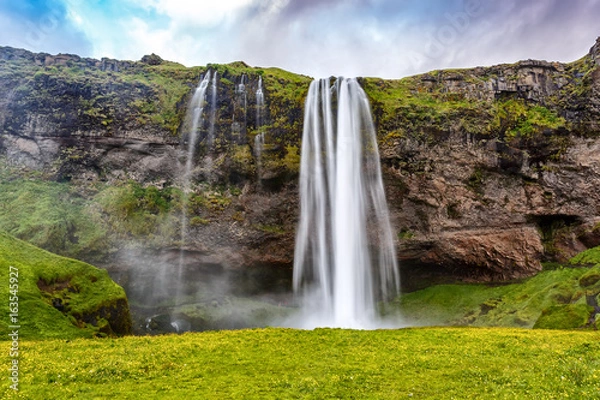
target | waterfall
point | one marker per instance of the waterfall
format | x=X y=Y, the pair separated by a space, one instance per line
x=241 y=90
x=260 y=103
x=259 y=139
x=194 y=122
x=242 y=85
x=345 y=258
x=213 y=112
x=194 y=119
x=259 y=143
x=238 y=126
x=209 y=141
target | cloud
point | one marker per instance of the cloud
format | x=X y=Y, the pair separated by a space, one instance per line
x=190 y=32
x=321 y=37
x=40 y=26
x=189 y=12
x=515 y=30
x=386 y=38
x=397 y=38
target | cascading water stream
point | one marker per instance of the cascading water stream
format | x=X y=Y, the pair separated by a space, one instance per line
x=259 y=139
x=345 y=259
x=239 y=121
x=242 y=85
x=241 y=90
x=213 y=112
x=210 y=137
x=259 y=144
x=195 y=113
x=194 y=119
x=260 y=103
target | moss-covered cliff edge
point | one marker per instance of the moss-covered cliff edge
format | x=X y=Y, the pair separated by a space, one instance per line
x=488 y=170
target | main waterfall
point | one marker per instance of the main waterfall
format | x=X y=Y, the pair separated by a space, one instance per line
x=345 y=259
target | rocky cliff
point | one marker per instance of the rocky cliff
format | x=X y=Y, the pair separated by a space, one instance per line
x=492 y=170
x=488 y=171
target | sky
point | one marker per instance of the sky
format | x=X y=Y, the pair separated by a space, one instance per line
x=318 y=38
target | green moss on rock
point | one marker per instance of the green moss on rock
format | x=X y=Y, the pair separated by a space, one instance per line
x=50 y=215
x=556 y=296
x=590 y=279
x=60 y=297
x=564 y=316
x=242 y=160
x=590 y=256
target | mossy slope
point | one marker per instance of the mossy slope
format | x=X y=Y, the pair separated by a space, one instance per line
x=59 y=297
x=563 y=298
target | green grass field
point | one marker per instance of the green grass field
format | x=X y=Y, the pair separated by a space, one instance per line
x=421 y=363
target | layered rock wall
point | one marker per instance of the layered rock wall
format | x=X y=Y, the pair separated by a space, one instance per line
x=488 y=171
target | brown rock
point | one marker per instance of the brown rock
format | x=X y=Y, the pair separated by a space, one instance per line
x=486 y=254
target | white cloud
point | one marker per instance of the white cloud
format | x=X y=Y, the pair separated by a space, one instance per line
x=75 y=17
x=46 y=28
x=337 y=37
x=204 y=13
x=143 y=40
x=190 y=46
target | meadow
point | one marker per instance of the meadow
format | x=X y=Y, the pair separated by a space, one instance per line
x=275 y=363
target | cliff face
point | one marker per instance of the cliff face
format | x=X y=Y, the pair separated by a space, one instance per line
x=492 y=170
x=488 y=170
x=121 y=118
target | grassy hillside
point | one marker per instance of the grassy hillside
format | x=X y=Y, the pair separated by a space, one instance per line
x=51 y=215
x=58 y=297
x=91 y=223
x=427 y=363
x=561 y=298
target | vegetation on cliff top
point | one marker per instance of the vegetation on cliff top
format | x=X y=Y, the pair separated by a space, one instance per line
x=103 y=100
x=120 y=96
x=58 y=297
x=156 y=93
x=408 y=109
x=116 y=96
x=431 y=363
